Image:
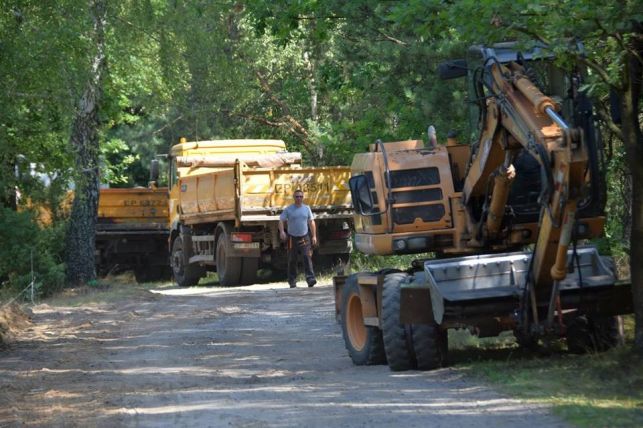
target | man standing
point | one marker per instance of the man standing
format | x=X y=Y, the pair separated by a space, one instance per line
x=299 y=219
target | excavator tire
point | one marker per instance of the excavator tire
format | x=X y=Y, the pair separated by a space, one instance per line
x=592 y=334
x=430 y=345
x=397 y=338
x=364 y=343
x=185 y=274
x=525 y=341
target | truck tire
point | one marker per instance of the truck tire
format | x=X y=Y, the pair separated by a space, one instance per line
x=592 y=334
x=397 y=338
x=249 y=270
x=185 y=274
x=228 y=268
x=430 y=345
x=152 y=273
x=364 y=343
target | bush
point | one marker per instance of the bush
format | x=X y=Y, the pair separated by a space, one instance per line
x=361 y=262
x=26 y=244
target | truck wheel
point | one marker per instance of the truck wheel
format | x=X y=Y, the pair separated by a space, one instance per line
x=364 y=343
x=397 y=340
x=185 y=275
x=249 y=270
x=141 y=275
x=595 y=334
x=151 y=273
x=228 y=268
x=430 y=345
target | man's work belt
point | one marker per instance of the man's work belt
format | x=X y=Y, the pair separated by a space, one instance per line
x=292 y=238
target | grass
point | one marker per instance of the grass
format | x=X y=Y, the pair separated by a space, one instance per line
x=592 y=390
x=105 y=290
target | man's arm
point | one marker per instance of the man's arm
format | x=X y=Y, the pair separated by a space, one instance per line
x=282 y=218
x=313 y=230
x=282 y=233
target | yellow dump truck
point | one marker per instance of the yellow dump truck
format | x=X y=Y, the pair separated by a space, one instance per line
x=132 y=232
x=225 y=200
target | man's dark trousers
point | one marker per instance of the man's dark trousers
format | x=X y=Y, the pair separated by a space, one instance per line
x=300 y=245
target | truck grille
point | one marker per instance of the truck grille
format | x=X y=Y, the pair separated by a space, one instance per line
x=426 y=213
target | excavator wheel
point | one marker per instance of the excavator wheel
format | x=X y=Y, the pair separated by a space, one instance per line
x=364 y=343
x=592 y=334
x=185 y=274
x=525 y=341
x=430 y=344
x=397 y=338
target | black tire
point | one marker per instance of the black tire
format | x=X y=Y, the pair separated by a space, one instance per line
x=151 y=273
x=184 y=274
x=249 y=270
x=592 y=334
x=607 y=332
x=526 y=341
x=430 y=345
x=397 y=338
x=141 y=275
x=364 y=343
x=228 y=268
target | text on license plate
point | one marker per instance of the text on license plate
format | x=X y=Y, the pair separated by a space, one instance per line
x=244 y=245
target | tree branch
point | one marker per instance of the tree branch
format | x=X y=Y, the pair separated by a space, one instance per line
x=392 y=39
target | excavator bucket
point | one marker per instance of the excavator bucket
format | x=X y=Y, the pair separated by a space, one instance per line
x=493 y=285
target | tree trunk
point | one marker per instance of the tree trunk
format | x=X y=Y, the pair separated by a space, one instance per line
x=633 y=139
x=80 y=242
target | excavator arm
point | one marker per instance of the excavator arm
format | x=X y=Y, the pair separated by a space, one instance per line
x=519 y=117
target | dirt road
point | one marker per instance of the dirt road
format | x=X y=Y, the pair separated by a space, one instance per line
x=255 y=356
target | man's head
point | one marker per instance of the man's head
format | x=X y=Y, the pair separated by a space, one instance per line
x=299 y=197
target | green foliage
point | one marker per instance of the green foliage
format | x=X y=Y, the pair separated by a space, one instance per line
x=361 y=262
x=328 y=77
x=118 y=157
x=27 y=247
x=588 y=391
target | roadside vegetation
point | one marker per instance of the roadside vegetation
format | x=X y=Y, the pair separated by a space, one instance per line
x=593 y=390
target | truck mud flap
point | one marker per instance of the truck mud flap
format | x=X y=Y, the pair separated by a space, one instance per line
x=474 y=287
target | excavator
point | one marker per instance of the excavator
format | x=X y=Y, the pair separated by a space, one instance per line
x=504 y=223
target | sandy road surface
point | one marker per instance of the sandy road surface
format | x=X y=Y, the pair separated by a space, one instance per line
x=253 y=356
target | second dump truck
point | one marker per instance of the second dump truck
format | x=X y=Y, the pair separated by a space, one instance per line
x=225 y=200
x=132 y=232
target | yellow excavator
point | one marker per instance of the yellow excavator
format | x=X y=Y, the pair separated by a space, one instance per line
x=503 y=220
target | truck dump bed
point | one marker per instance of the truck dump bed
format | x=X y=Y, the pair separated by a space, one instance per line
x=133 y=207
x=259 y=194
x=132 y=232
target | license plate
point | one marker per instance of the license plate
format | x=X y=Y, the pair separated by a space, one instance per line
x=246 y=245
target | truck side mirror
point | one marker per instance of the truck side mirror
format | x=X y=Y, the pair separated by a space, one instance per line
x=452 y=69
x=361 y=194
x=154 y=170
